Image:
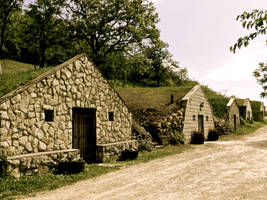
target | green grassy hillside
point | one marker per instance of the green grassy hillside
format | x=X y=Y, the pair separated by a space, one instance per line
x=159 y=98
x=217 y=101
x=16 y=74
x=142 y=98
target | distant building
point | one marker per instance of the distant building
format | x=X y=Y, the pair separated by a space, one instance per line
x=245 y=109
x=233 y=116
x=198 y=114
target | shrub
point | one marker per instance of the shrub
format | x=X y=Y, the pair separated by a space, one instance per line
x=197 y=137
x=70 y=167
x=176 y=137
x=213 y=135
x=128 y=155
x=145 y=145
x=3 y=163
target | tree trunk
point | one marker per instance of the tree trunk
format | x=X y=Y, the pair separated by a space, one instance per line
x=0 y=68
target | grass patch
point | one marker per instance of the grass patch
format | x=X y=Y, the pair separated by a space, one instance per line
x=244 y=130
x=16 y=74
x=217 y=101
x=138 y=98
x=158 y=153
x=10 y=187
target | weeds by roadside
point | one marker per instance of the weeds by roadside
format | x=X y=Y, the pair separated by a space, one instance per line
x=244 y=130
x=10 y=187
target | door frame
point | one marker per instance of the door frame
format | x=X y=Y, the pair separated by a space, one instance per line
x=92 y=146
x=200 y=122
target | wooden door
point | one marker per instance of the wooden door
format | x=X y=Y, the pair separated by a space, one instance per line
x=235 y=122
x=84 y=132
x=201 y=124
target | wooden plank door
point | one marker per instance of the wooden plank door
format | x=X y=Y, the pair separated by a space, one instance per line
x=201 y=123
x=235 y=127
x=84 y=133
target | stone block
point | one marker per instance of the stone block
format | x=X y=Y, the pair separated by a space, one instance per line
x=48 y=107
x=41 y=146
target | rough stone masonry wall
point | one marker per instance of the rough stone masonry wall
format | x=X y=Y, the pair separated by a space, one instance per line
x=39 y=162
x=76 y=83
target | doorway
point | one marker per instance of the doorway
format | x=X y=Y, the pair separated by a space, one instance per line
x=84 y=132
x=201 y=124
x=235 y=122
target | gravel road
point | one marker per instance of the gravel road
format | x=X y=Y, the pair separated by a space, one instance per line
x=233 y=170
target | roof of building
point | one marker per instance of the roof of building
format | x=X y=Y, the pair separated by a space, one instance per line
x=231 y=102
x=242 y=102
x=191 y=92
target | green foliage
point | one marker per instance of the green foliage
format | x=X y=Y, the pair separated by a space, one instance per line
x=218 y=102
x=160 y=58
x=256 y=20
x=257 y=114
x=145 y=145
x=111 y=25
x=7 y=8
x=16 y=74
x=42 y=27
x=176 y=137
x=249 y=128
x=261 y=75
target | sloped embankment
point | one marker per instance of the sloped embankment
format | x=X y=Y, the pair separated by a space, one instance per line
x=153 y=109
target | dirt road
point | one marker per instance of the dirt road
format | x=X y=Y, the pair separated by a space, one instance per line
x=231 y=170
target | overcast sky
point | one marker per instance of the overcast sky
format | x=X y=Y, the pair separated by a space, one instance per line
x=200 y=33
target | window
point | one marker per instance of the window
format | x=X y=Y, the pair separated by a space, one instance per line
x=207 y=118
x=49 y=115
x=111 y=116
x=194 y=117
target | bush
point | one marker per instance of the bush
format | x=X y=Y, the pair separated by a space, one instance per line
x=145 y=145
x=176 y=137
x=128 y=155
x=70 y=167
x=213 y=135
x=197 y=137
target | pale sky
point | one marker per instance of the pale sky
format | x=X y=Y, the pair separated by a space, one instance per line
x=199 y=34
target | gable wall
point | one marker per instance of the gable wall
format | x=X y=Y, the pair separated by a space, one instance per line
x=193 y=108
x=248 y=111
x=77 y=84
x=231 y=111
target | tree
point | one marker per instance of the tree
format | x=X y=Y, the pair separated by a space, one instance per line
x=261 y=75
x=255 y=21
x=160 y=59
x=42 y=26
x=111 y=25
x=7 y=8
